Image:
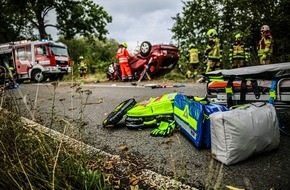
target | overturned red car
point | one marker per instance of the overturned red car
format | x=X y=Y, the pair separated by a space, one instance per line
x=152 y=61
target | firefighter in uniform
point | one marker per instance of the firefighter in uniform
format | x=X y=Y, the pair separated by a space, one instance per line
x=123 y=56
x=213 y=51
x=265 y=48
x=193 y=65
x=239 y=54
x=12 y=75
x=82 y=67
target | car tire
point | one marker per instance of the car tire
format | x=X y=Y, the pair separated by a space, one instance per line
x=145 y=48
x=38 y=76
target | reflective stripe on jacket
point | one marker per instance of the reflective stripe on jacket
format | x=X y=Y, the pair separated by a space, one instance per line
x=238 y=51
x=265 y=45
x=83 y=65
x=193 y=55
x=122 y=55
x=214 y=49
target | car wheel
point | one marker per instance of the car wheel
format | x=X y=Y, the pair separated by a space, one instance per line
x=38 y=76
x=145 y=48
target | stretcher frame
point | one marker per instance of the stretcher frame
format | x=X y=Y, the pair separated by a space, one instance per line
x=274 y=72
x=278 y=94
x=282 y=97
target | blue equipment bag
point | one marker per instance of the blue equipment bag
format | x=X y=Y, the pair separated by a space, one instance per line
x=192 y=116
x=188 y=114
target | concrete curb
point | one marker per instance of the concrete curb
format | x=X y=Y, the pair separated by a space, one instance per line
x=150 y=177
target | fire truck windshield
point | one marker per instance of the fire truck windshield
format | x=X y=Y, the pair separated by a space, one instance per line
x=59 y=50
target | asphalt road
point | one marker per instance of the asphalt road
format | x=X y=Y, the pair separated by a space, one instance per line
x=86 y=106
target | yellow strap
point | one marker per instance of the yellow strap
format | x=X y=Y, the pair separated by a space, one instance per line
x=216 y=78
x=229 y=90
x=149 y=122
x=273 y=94
x=233 y=188
x=213 y=80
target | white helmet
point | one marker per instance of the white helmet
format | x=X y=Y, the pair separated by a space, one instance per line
x=265 y=28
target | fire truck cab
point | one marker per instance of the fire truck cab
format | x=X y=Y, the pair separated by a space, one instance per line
x=35 y=60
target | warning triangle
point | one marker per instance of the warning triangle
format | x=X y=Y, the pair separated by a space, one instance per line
x=186 y=111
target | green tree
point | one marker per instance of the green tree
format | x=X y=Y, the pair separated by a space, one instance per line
x=196 y=18
x=281 y=31
x=38 y=13
x=13 y=20
x=231 y=16
x=20 y=18
x=81 y=17
x=98 y=54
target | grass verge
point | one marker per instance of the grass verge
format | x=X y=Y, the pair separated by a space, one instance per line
x=31 y=160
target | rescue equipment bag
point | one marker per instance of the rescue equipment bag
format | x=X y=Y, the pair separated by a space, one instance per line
x=188 y=115
x=192 y=115
x=241 y=132
x=208 y=109
x=115 y=116
x=151 y=112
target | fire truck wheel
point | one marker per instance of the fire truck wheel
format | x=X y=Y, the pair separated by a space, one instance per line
x=38 y=76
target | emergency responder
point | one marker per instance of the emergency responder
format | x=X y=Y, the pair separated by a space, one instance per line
x=123 y=57
x=213 y=51
x=12 y=74
x=193 y=65
x=265 y=48
x=82 y=67
x=239 y=53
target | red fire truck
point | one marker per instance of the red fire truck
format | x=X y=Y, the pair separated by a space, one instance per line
x=35 y=60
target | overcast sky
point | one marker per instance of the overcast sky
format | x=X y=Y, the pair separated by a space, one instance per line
x=139 y=20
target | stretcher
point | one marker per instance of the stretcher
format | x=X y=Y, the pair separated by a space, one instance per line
x=267 y=83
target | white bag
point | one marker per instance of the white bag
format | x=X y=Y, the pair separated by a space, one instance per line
x=244 y=131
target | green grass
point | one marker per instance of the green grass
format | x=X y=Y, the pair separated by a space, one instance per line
x=97 y=77
x=174 y=76
x=31 y=160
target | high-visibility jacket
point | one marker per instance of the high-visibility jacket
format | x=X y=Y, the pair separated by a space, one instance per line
x=83 y=66
x=213 y=49
x=239 y=51
x=265 y=45
x=193 y=55
x=12 y=71
x=122 y=55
